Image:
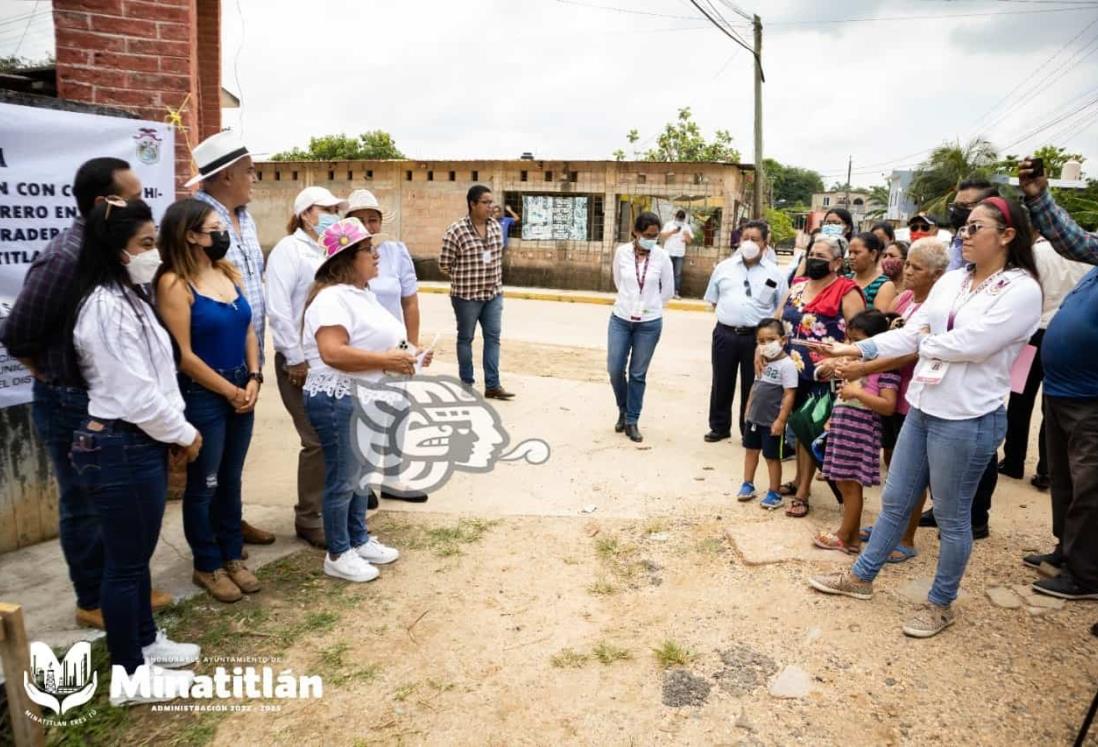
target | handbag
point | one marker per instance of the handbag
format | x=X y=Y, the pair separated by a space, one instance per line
x=807 y=421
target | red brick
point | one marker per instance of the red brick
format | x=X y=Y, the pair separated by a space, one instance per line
x=73 y=91
x=109 y=7
x=155 y=11
x=72 y=56
x=92 y=75
x=68 y=19
x=176 y=65
x=158 y=47
x=126 y=97
x=89 y=41
x=152 y=82
x=174 y=31
x=124 y=26
x=128 y=62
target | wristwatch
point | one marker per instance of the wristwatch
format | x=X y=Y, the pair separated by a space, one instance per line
x=256 y=376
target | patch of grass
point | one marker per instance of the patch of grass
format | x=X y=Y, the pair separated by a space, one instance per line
x=447 y=541
x=570 y=560
x=709 y=546
x=671 y=654
x=607 y=548
x=568 y=658
x=440 y=687
x=602 y=587
x=608 y=653
x=404 y=691
x=655 y=526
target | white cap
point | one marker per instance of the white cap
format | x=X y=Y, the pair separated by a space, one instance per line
x=215 y=153
x=310 y=196
x=361 y=199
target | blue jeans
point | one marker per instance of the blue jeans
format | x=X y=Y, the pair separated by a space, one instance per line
x=344 y=505
x=490 y=316
x=950 y=456
x=58 y=411
x=125 y=473
x=632 y=344
x=211 y=503
x=676 y=267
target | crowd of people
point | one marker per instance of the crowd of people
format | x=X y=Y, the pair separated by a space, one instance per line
x=147 y=345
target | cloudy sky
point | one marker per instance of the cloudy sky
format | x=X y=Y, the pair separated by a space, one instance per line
x=880 y=81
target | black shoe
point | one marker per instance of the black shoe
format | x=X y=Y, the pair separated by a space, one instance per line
x=619 y=426
x=1054 y=558
x=713 y=436
x=927 y=519
x=371 y=501
x=980 y=532
x=411 y=496
x=633 y=432
x=1008 y=470
x=1064 y=587
x=498 y=393
x=1041 y=482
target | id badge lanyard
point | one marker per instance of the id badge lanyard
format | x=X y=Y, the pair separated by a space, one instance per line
x=642 y=278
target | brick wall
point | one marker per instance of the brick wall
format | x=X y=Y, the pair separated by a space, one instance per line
x=144 y=56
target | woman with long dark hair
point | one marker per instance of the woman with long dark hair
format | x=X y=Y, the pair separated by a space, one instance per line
x=135 y=419
x=968 y=334
x=865 y=254
x=199 y=296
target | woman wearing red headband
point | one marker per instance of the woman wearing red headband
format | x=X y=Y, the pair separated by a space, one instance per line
x=968 y=335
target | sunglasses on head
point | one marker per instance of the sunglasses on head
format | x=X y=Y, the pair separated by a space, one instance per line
x=112 y=201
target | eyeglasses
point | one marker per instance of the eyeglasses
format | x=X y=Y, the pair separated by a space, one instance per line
x=919 y=227
x=112 y=201
x=747 y=288
x=962 y=205
x=971 y=229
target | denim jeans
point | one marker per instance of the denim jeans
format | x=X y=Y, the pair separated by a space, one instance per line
x=344 y=504
x=676 y=267
x=211 y=502
x=125 y=473
x=950 y=456
x=630 y=344
x=490 y=316
x=58 y=411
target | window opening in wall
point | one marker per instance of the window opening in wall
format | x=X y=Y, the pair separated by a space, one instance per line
x=369 y=174
x=407 y=176
x=548 y=176
x=350 y=175
x=293 y=176
x=259 y=176
x=453 y=176
x=642 y=178
x=523 y=176
x=278 y=176
x=475 y=176
x=430 y=176
x=573 y=176
x=331 y=175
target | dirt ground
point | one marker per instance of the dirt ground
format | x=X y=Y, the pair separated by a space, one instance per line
x=662 y=616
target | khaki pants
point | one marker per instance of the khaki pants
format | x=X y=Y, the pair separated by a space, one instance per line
x=310 y=461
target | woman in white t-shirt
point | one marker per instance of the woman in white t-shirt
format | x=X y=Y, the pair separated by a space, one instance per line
x=347 y=336
x=645 y=281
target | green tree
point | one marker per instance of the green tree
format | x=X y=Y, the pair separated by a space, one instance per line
x=375 y=145
x=1081 y=204
x=791 y=186
x=936 y=179
x=682 y=140
x=1053 y=156
x=781 y=226
x=878 y=198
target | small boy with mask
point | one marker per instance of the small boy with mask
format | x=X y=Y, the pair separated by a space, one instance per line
x=768 y=409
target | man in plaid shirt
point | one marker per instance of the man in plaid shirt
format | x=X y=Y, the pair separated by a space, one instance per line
x=472 y=255
x=1069 y=354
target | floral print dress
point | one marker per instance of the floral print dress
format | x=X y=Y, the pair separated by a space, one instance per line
x=804 y=321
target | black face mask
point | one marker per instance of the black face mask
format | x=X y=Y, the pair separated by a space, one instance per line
x=817 y=268
x=219 y=247
x=958 y=216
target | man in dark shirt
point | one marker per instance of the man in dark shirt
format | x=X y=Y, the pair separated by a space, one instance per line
x=36 y=332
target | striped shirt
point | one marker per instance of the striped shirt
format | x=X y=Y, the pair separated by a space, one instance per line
x=474 y=264
x=247 y=256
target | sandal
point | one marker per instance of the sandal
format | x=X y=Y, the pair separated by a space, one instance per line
x=905 y=554
x=788 y=489
x=865 y=533
x=829 y=541
x=798 y=509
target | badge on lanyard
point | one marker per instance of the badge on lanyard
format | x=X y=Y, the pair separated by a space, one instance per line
x=642 y=277
x=487 y=256
x=930 y=371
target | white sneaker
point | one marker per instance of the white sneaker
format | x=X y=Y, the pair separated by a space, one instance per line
x=164 y=685
x=350 y=566
x=167 y=653
x=377 y=553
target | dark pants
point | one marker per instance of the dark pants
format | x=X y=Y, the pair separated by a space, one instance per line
x=211 y=503
x=1071 y=427
x=58 y=412
x=676 y=267
x=310 y=460
x=732 y=354
x=1020 y=410
x=126 y=475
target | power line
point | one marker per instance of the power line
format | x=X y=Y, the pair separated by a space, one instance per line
x=930 y=17
x=1051 y=123
x=629 y=11
x=25 y=29
x=722 y=29
x=737 y=10
x=724 y=22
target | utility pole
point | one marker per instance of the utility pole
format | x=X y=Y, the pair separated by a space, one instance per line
x=760 y=171
x=849 y=166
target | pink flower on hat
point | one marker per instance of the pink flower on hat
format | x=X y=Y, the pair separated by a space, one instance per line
x=341 y=235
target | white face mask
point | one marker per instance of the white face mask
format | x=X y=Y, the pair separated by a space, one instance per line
x=749 y=250
x=771 y=350
x=142 y=267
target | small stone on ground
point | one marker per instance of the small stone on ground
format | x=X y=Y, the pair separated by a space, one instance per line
x=682 y=688
x=1001 y=596
x=793 y=682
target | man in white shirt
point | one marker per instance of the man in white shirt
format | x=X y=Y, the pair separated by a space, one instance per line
x=676 y=234
x=744 y=289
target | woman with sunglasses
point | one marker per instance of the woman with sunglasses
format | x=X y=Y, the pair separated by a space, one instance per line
x=968 y=334
x=135 y=420
x=198 y=294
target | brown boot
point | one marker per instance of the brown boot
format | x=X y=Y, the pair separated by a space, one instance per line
x=313 y=535
x=90 y=618
x=255 y=536
x=242 y=577
x=218 y=584
x=160 y=600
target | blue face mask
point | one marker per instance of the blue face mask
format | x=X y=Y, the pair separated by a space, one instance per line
x=324 y=222
x=831 y=229
x=647 y=244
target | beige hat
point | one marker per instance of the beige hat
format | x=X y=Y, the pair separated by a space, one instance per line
x=362 y=199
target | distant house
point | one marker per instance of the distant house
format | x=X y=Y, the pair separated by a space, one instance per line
x=900 y=207
x=857 y=201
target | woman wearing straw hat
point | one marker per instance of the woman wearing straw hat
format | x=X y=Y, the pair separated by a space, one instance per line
x=347 y=336
x=291 y=267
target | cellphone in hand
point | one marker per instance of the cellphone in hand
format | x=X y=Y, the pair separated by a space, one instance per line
x=1037 y=167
